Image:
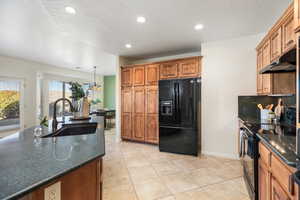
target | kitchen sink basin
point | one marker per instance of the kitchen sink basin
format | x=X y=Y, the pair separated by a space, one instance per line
x=74 y=129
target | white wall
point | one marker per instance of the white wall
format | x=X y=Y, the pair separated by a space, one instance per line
x=229 y=70
x=29 y=72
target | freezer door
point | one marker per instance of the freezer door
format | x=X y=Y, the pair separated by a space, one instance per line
x=178 y=140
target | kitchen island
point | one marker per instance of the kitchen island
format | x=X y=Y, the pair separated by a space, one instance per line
x=43 y=168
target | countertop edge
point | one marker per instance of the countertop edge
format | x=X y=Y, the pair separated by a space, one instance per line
x=48 y=180
x=289 y=163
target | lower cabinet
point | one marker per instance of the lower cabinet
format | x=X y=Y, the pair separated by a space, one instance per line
x=84 y=182
x=138 y=127
x=126 y=129
x=263 y=180
x=151 y=128
x=275 y=177
x=277 y=192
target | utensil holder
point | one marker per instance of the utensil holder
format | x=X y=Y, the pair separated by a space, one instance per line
x=264 y=115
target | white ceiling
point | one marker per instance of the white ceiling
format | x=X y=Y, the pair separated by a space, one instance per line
x=40 y=30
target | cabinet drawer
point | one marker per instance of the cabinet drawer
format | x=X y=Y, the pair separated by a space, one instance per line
x=283 y=175
x=265 y=154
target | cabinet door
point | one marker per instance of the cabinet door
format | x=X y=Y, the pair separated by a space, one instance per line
x=263 y=181
x=139 y=127
x=275 y=41
x=289 y=38
x=259 y=76
x=277 y=193
x=152 y=74
x=139 y=100
x=126 y=132
x=189 y=67
x=151 y=134
x=266 y=60
x=127 y=100
x=297 y=14
x=266 y=51
x=168 y=70
x=139 y=76
x=126 y=76
x=152 y=100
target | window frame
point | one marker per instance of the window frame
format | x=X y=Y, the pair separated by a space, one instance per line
x=22 y=99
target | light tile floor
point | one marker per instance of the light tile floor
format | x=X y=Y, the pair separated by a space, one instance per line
x=134 y=171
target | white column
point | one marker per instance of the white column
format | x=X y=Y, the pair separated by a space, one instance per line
x=118 y=100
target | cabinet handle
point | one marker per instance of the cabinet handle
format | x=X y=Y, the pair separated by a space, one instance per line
x=291 y=184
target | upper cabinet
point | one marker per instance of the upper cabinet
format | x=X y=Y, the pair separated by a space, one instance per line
x=189 y=67
x=288 y=33
x=126 y=76
x=280 y=39
x=169 y=70
x=266 y=54
x=139 y=76
x=152 y=74
x=276 y=44
x=297 y=15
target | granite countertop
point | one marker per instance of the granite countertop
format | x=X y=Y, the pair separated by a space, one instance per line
x=280 y=138
x=27 y=162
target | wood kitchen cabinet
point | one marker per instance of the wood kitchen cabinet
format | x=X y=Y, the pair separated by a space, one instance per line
x=263 y=180
x=275 y=177
x=297 y=15
x=151 y=127
x=276 y=44
x=266 y=53
x=288 y=33
x=126 y=76
x=126 y=128
x=189 y=67
x=138 y=114
x=84 y=182
x=152 y=74
x=277 y=192
x=280 y=39
x=139 y=76
x=169 y=70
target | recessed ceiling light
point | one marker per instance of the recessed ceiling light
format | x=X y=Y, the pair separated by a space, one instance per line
x=128 y=46
x=70 y=10
x=198 y=27
x=141 y=19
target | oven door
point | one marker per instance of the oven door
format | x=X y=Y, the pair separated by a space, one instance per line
x=248 y=154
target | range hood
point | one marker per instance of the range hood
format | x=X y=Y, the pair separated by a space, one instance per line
x=286 y=63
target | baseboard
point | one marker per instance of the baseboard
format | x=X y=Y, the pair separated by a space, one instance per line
x=222 y=155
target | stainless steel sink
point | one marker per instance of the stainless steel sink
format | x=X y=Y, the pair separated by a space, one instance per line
x=74 y=129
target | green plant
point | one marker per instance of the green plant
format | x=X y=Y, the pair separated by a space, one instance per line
x=96 y=101
x=77 y=91
x=44 y=121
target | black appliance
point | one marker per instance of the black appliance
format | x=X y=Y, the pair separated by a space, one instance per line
x=286 y=63
x=179 y=116
x=249 y=157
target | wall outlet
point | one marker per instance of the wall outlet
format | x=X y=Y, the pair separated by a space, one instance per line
x=53 y=192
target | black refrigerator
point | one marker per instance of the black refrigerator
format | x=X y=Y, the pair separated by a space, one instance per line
x=180 y=116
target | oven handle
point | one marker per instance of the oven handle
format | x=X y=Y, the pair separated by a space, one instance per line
x=243 y=138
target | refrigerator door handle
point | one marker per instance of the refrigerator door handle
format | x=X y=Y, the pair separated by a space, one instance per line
x=177 y=101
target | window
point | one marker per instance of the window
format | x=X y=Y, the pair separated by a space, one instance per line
x=10 y=101
x=57 y=90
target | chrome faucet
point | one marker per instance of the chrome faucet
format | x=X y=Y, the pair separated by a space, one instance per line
x=54 y=121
